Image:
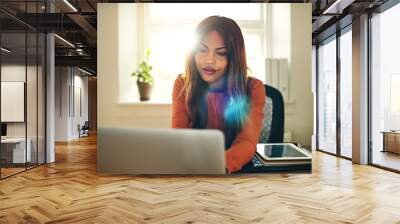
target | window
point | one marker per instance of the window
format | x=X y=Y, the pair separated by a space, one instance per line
x=22 y=77
x=334 y=106
x=327 y=96
x=346 y=94
x=169 y=35
x=385 y=84
x=394 y=101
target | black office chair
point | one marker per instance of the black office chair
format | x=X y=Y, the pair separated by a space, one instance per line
x=84 y=130
x=272 y=130
x=274 y=120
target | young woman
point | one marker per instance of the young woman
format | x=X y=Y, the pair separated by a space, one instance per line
x=215 y=91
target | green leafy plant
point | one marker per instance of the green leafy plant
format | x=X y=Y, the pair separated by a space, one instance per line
x=144 y=72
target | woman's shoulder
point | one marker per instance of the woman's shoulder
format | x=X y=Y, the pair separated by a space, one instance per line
x=179 y=85
x=257 y=91
x=179 y=81
x=256 y=85
x=255 y=81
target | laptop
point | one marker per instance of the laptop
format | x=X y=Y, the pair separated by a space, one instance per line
x=160 y=151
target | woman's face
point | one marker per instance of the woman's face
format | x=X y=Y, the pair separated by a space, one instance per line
x=211 y=58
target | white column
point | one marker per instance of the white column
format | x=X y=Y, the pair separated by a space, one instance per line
x=360 y=90
x=50 y=99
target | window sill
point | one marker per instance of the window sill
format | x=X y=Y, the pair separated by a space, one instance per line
x=145 y=103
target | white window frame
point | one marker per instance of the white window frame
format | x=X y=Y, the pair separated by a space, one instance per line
x=147 y=25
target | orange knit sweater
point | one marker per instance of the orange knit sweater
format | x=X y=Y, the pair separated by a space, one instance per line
x=243 y=147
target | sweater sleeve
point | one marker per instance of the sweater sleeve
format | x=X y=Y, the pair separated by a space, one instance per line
x=180 y=116
x=244 y=146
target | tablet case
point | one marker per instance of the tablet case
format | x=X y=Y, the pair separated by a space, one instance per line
x=258 y=165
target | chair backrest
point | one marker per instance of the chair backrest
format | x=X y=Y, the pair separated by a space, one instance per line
x=86 y=125
x=274 y=120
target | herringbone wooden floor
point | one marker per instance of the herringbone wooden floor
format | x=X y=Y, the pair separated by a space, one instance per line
x=70 y=191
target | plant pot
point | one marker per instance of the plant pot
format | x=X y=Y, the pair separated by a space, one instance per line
x=144 y=91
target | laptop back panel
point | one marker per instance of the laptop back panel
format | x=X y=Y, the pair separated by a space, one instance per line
x=160 y=151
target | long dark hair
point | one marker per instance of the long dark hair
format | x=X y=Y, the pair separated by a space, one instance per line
x=195 y=88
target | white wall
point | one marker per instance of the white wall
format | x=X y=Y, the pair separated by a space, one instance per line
x=115 y=56
x=81 y=108
x=279 y=41
x=17 y=73
x=129 y=53
x=289 y=37
x=299 y=116
x=33 y=127
x=68 y=82
x=61 y=103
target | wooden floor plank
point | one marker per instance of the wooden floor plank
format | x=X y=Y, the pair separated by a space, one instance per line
x=70 y=191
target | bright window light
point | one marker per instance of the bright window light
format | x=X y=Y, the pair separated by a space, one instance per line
x=239 y=11
x=169 y=30
x=394 y=94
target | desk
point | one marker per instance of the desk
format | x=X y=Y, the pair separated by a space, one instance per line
x=391 y=141
x=15 y=148
x=253 y=167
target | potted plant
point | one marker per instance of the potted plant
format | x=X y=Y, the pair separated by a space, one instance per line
x=144 y=78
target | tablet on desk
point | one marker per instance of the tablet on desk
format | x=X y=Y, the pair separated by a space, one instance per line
x=282 y=152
